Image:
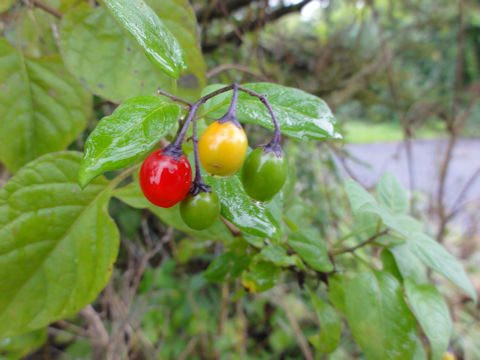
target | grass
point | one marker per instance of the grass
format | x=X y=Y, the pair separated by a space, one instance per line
x=362 y=132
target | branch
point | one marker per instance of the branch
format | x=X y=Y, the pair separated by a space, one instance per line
x=302 y=341
x=251 y=25
x=47 y=8
x=366 y=242
x=241 y=68
x=218 y=9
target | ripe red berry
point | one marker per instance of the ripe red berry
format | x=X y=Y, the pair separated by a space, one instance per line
x=165 y=179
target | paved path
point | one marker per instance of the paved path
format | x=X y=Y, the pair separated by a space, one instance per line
x=427 y=155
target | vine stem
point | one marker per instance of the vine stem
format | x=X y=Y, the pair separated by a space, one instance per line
x=198 y=175
x=195 y=106
x=352 y=249
x=39 y=4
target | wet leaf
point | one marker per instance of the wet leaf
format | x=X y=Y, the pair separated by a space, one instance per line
x=150 y=33
x=62 y=239
x=311 y=248
x=381 y=323
x=42 y=107
x=133 y=129
x=117 y=70
x=251 y=217
x=300 y=115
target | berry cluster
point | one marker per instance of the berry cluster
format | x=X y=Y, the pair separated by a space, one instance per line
x=166 y=174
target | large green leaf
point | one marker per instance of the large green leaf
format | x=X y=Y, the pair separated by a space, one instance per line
x=157 y=42
x=300 y=115
x=381 y=323
x=42 y=107
x=132 y=195
x=311 y=247
x=432 y=313
x=392 y=194
x=250 y=217
x=57 y=243
x=330 y=326
x=434 y=255
x=129 y=133
x=117 y=69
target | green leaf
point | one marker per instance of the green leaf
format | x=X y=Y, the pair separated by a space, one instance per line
x=408 y=264
x=432 y=313
x=16 y=347
x=226 y=267
x=392 y=194
x=311 y=248
x=157 y=42
x=260 y=276
x=381 y=323
x=133 y=196
x=133 y=129
x=250 y=217
x=363 y=202
x=277 y=255
x=330 y=326
x=57 y=243
x=390 y=264
x=336 y=291
x=43 y=108
x=117 y=70
x=300 y=115
x=434 y=255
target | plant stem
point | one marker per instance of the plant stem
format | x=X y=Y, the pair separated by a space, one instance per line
x=198 y=184
x=263 y=98
x=174 y=98
x=352 y=249
x=274 y=144
x=231 y=114
x=47 y=8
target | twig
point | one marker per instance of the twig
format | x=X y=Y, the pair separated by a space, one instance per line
x=174 y=98
x=353 y=248
x=241 y=68
x=302 y=341
x=463 y=192
x=232 y=228
x=47 y=8
x=95 y=326
x=452 y=128
x=188 y=349
x=223 y=309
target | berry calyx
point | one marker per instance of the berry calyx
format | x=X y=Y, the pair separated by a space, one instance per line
x=165 y=177
x=222 y=148
x=264 y=173
x=199 y=211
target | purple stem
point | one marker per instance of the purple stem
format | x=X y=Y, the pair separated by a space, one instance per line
x=273 y=145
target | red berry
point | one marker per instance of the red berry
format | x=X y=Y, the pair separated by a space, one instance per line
x=165 y=180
